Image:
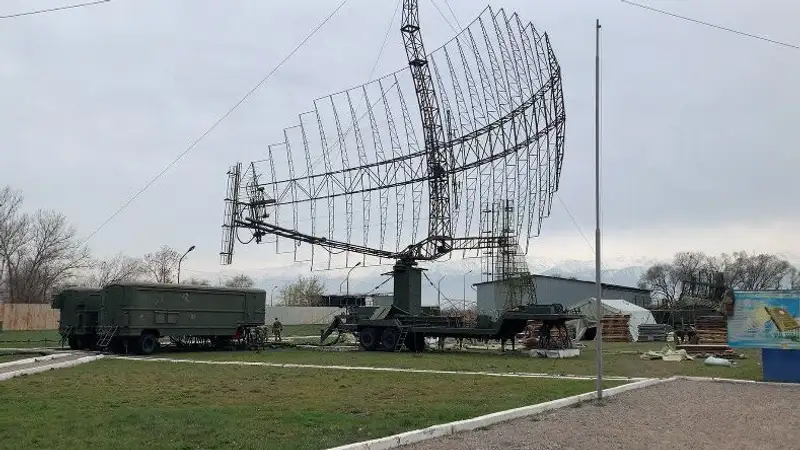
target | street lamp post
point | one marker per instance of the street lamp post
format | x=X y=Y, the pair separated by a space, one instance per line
x=347 y=279
x=271 y=294
x=465 y=288
x=439 y=293
x=181 y=260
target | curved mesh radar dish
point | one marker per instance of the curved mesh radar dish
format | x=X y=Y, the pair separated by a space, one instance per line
x=458 y=152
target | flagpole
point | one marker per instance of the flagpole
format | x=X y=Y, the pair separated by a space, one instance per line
x=599 y=294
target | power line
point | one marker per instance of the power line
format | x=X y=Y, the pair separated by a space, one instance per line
x=719 y=27
x=433 y=2
x=574 y=222
x=218 y=121
x=358 y=120
x=447 y=3
x=59 y=8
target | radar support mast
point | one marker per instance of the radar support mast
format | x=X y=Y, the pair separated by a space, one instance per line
x=440 y=230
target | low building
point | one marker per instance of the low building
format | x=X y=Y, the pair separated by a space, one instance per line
x=492 y=295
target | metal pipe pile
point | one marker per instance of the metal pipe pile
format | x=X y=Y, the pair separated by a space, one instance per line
x=653 y=332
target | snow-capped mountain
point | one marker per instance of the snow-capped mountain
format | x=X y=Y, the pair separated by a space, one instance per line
x=625 y=276
x=455 y=279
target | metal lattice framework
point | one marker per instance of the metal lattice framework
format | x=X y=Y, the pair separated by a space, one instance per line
x=363 y=174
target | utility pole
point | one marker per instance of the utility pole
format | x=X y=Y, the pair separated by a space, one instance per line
x=597 y=261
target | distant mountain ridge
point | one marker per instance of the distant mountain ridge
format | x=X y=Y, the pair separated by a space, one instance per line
x=454 y=283
x=625 y=276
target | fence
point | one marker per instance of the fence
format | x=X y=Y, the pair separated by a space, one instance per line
x=302 y=315
x=22 y=316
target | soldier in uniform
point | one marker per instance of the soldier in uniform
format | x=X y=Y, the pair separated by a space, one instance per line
x=277 y=327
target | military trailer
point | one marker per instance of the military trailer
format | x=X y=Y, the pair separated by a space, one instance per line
x=134 y=316
x=80 y=309
x=390 y=328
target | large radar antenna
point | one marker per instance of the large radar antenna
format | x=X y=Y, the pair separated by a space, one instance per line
x=490 y=110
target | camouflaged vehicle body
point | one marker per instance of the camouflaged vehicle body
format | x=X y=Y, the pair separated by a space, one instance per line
x=79 y=310
x=180 y=310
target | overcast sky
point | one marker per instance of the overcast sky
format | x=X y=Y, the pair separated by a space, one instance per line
x=699 y=127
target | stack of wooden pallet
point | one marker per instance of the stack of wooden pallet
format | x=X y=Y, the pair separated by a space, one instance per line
x=712 y=330
x=652 y=332
x=615 y=328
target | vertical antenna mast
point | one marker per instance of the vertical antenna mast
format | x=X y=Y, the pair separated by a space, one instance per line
x=438 y=162
x=597 y=262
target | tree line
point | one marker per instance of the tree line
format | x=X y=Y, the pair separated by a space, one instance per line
x=740 y=271
x=41 y=253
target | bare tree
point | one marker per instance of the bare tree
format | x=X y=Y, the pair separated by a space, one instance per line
x=740 y=271
x=119 y=268
x=794 y=278
x=755 y=272
x=13 y=234
x=40 y=251
x=666 y=279
x=306 y=291
x=162 y=265
x=662 y=280
x=240 y=281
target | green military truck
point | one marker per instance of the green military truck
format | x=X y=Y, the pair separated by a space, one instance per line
x=80 y=309
x=134 y=316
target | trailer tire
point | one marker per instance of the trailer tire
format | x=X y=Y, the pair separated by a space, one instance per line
x=74 y=343
x=389 y=339
x=368 y=338
x=147 y=344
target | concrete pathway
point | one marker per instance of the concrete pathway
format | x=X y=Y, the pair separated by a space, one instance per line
x=42 y=364
x=673 y=415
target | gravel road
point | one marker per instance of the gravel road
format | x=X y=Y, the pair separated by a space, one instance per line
x=677 y=414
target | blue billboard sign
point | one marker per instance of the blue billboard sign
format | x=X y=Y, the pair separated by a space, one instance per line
x=765 y=319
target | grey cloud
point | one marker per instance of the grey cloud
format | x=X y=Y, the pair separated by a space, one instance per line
x=698 y=124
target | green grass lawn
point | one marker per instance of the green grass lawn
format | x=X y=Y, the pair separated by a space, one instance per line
x=132 y=404
x=23 y=339
x=301 y=330
x=618 y=359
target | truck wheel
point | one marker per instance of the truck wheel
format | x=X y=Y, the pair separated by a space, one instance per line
x=74 y=343
x=368 y=338
x=389 y=339
x=147 y=344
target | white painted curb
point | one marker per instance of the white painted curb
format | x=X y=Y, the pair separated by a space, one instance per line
x=42 y=358
x=436 y=431
x=47 y=367
x=734 y=380
x=381 y=369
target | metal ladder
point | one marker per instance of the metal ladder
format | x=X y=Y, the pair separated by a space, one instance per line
x=402 y=339
x=106 y=336
x=65 y=335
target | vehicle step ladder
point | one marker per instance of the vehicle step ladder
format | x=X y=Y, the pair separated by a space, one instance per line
x=402 y=339
x=65 y=335
x=106 y=336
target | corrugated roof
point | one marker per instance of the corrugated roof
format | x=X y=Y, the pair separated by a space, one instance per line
x=604 y=285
